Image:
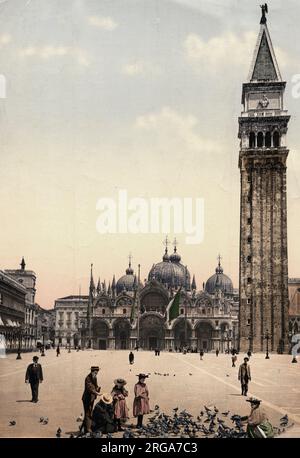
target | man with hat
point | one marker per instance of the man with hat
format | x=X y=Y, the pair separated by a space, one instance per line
x=91 y=391
x=34 y=376
x=258 y=425
x=141 y=400
x=119 y=394
x=103 y=415
x=244 y=376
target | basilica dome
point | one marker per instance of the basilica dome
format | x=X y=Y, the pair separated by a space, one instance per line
x=219 y=281
x=127 y=281
x=170 y=272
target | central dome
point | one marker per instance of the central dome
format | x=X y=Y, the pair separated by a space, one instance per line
x=127 y=281
x=170 y=272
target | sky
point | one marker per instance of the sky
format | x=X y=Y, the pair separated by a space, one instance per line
x=141 y=95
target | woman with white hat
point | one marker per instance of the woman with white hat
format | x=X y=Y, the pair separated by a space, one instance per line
x=103 y=415
x=119 y=394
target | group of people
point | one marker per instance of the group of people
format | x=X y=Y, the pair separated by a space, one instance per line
x=111 y=410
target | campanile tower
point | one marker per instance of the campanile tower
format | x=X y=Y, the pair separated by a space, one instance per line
x=263 y=211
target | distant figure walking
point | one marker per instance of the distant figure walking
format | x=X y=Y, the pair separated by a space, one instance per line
x=91 y=391
x=217 y=352
x=141 y=400
x=249 y=354
x=119 y=394
x=233 y=359
x=201 y=355
x=57 y=351
x=244 y=376
x=34 y=376
x=131 y=358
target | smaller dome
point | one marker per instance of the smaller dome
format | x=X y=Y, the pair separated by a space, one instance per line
x=175 y=257
x=127 y=281
x=219 y=282
x=166 y=257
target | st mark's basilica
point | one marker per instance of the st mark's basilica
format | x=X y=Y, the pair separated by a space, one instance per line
x=128 y=313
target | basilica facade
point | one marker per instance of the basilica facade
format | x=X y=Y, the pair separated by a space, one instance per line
x=127 y=313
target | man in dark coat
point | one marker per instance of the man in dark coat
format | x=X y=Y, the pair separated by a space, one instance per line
x=91 y=391
x=244 y=376
x=131 y=358
x=34 y=376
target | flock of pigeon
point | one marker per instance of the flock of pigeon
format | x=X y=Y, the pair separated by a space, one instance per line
x=210 y=423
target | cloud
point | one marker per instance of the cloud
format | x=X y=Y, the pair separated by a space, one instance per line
x=140 y=68
x=227 y=50
x=46 y=52
x=178 y=130
x=105 y=23
x=5 y=38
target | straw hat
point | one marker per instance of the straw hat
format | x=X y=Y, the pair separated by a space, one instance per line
x=106 y=398
x=120 y=381
x=142 y=376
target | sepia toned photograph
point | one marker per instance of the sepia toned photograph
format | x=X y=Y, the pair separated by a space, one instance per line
x=150 y=201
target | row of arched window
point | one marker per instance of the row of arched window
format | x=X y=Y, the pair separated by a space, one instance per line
x=264 y=139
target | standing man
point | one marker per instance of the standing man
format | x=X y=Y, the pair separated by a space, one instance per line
x=34 y=376
x=201 y=354
x=57 y=351
x=91 y=391
x=131 y=358
x=244 y=376
x=217 y=352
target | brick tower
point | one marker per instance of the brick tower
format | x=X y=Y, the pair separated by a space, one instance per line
x=263 y=272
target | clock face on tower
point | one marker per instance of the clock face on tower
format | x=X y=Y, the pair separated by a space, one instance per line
x=264 y=102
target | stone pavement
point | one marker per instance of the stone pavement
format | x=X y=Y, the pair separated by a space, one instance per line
x=190 y=385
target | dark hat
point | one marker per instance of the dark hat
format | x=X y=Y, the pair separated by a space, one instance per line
x=120 y=381
x=35 y=358
x=95 y=368
x=142 y=375
x=253 y=400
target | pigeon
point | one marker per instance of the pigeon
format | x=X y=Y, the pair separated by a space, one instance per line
x=46 y=420
x=58 y=432
x=156 y=407
x=225 y=413
x=12 y=423
x=190 y=374
x=41 y=419
x=71 y=436
x=80 y=418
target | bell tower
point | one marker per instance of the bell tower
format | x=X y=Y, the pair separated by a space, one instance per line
x=263 y=211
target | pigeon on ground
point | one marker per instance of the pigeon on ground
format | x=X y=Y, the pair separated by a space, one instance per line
x=58 y=432
x=46 y=420
x=41 y=419
x=12 y=423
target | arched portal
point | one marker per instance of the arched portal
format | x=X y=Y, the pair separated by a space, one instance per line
x=100 y=334
x=151 y=332
x=204 y=334
x=122 y=334
x=182 y=333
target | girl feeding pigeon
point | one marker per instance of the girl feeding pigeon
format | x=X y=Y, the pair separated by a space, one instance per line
x=119 y=394
x=141 y=400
